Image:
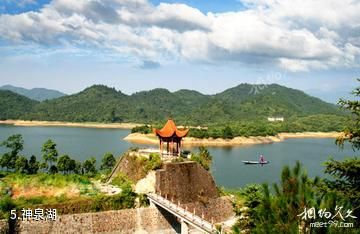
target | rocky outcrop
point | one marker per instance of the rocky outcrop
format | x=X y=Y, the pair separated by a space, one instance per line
x=147 y=184
x=185 y=182
x=131 y=165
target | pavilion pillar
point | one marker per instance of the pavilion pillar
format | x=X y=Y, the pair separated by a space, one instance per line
x=167 y=147
x=160 y=146
x=172 y=147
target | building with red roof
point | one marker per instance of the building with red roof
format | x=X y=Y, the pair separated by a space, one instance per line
x=172 y=136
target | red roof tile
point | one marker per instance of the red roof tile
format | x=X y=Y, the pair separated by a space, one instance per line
x=170 y=129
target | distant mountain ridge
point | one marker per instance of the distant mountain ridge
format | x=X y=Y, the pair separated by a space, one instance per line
x=100 y=103
x=38 y=94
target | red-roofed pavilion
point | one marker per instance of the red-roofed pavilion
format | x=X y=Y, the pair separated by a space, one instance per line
x=171 y=135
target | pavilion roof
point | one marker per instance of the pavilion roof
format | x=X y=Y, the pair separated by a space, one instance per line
x=170 y=130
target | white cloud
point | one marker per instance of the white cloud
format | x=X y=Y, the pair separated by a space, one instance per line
x=295 y=35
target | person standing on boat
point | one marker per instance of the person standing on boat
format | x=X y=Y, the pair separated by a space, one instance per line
x=262 y=159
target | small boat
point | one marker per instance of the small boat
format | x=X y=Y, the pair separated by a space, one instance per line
x=255 y=162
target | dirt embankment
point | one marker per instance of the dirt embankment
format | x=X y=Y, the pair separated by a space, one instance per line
x=68 y=124
x=190 y=141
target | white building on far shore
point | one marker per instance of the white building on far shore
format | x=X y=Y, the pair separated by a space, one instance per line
x=274 y=119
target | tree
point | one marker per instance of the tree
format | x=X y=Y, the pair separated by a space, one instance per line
x=65 y=164
x=346 y=180
x=228 y=133
x=90 y=166
x=49 y=152
x=108 y=162
x=6 y=161
x=33 y=165
x=346 y=174
x=21 y=164
x=16 y=144
x=278 y=213
x=53 y=169
x=352 y=131
x=78 y=168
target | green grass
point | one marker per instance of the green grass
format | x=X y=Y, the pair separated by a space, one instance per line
x=122 y=181
x=55 y=180
x=89 y=199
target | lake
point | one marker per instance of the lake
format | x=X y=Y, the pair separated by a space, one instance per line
x=227 y=169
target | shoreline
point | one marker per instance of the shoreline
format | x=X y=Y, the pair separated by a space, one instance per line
x=236 y=141
x=187 y=141
x=29 y=123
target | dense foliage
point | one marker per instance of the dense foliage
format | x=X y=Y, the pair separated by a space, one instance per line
x=15 y=144
x=144 y=129
x=352 y=130
x=345 y=181
x=321 y=123
x=14 y=106
x=346 y=174
x=108 y=162
x=234 y=106
x=288 y=209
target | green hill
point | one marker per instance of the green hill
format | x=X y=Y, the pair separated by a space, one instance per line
x=38 y=94
x=95 y=104
x=273 y=100
x=14 y=106
x=240 y=104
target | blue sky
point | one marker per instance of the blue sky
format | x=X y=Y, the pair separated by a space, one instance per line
x=209 y=6
x=208 y=46
x=19 y=6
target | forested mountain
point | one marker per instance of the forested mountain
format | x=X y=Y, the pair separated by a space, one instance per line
x=245 y=102
x=14 y=106
x=95 y=104
x=38 y=94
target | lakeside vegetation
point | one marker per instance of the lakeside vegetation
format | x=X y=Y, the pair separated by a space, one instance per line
x=286 y=207
x=318 y=123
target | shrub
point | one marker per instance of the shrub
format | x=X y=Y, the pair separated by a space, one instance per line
x=144 y=129
x=154 y=162
x=203 y=157
x=122 y=181
x=6 y=204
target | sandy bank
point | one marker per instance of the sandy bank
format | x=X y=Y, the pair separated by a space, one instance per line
x=190 y=141
x=68 y=124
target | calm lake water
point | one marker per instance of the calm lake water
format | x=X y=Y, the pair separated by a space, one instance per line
x=228 y=170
